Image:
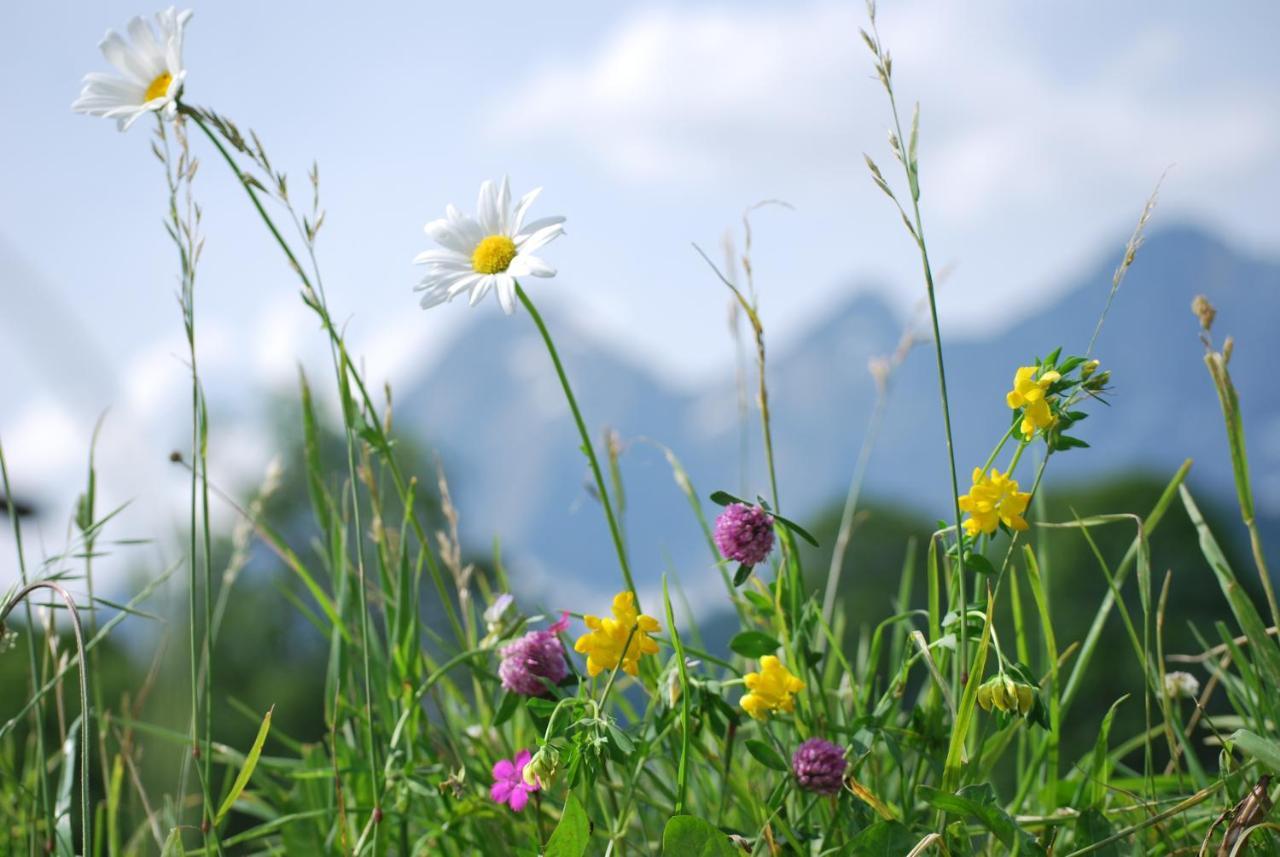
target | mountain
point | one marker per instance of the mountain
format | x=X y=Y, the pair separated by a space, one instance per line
x=494 y=408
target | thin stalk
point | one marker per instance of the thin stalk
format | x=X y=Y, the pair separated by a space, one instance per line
x=21 y=595
x=907 y=159
x=587 y=448
x=341 y=371
x=845 y=533
x=33 y=666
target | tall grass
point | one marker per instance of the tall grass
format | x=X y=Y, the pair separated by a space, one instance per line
x=943 y=723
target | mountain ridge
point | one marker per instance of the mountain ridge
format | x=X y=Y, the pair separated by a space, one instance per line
x=503 y=423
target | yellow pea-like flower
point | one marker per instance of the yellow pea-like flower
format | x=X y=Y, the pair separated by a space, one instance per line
x=770 y=690
x=993 y=500
x=605 y=643
x=1030 y=393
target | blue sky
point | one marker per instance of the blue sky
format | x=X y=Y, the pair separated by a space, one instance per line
x=1044 y=127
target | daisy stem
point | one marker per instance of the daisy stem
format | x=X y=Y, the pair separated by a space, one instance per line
x=587 y=448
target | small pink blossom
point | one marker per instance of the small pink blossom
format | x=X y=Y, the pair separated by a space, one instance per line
x=509 y=786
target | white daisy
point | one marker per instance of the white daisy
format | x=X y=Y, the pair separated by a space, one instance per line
x=487 y=252
x=151 y=69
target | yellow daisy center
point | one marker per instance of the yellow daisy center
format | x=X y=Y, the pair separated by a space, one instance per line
x=159 y=87
x=493 y=255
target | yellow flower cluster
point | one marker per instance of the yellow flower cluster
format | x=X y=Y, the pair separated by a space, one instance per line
x=605 y=644
x=993 y=500
x=1029 y=392
x=771 y=689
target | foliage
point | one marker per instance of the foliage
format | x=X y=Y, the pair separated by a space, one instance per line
x=957 y=699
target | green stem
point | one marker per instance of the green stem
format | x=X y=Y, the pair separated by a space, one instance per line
x=587 y=448
x=340 y=369
x=918 y=232
x=33 y=666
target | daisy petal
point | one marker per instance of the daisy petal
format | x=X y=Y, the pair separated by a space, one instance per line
x=503 y=206
x=522 y=208
x=487 y=209
x=535 y=241
x=507 y=294
x=525 y=265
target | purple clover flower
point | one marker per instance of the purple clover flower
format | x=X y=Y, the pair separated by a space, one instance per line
x=744 y=533
x=536 y=656
x=819 y=766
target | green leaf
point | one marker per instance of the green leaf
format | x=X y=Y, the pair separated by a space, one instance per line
x=766 y=755
x=506 y=708
x=980 y=804
x=572 y=834
x=724 y=498
x=740 y=576
x=173 y=844
x=688 y=836
x=1101 y=766
x=1264 y=750
x=882 y=839
x=976 y=562
x=1091 y=828
x=796 y=528
x=753 y=644
x=250 y=762
x=1066 y=441
x=1266 y=652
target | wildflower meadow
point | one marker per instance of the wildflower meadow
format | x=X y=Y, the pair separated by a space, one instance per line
x=974 y=715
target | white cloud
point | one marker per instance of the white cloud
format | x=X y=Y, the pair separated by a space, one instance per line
x=681 y=94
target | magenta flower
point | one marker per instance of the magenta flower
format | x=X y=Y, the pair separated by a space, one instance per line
x=509 y=786
x=536 y=656
x=819 y=766
x=744 y=533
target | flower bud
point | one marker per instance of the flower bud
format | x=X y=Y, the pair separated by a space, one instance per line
x=1203 y=311
x=1026 y=698
x=541 y=769
x=1088 y=369
x=1004 y=694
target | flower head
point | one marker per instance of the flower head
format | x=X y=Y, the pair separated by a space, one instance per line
x=1031 y=393
x=535 y=657
x=1179 y=685
x=819 y=766
x=744 y=533
x=993 y=500
x=606 y=639
x=771 y=689
x=509 y=784
x=487 y=252
x=150 y=66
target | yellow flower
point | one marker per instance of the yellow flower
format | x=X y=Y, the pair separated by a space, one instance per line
x=604 y=643
x=993 y=500
x=1029 y=392
x=771 y=689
